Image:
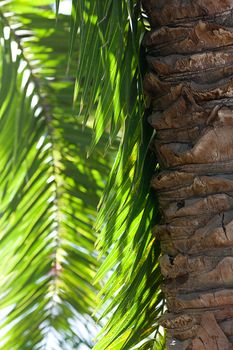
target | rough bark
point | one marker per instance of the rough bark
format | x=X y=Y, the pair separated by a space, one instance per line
x=190 y=86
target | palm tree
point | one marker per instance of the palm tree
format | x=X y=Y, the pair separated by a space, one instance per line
x=71 y=87
x=189 y=53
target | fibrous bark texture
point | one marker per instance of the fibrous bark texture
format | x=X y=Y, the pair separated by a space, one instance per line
x=190 y=85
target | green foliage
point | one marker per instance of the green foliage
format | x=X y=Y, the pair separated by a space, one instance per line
x=108 y=39
x=109 y=83
x=49 y=189
x=90 y=65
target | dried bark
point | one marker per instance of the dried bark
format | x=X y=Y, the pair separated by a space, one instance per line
x=190 y=88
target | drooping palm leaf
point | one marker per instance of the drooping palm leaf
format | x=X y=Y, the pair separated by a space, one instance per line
x=49 y=190
x=108 y=82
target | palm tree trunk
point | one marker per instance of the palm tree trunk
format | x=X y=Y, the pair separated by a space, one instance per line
x=190 y=84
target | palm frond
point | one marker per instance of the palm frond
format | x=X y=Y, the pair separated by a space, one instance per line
x=106 y=32
x=49 y=190
x=108 y=85
x=45 y=192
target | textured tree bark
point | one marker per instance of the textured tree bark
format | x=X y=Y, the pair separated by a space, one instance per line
x=190 y=85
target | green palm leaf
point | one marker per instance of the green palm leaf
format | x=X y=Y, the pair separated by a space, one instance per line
x=108 y=84
x=49 y=189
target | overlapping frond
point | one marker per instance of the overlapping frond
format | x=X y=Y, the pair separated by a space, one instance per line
x=47 y=179
x=108 y=82
x=49 y=189
x=108 y=32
